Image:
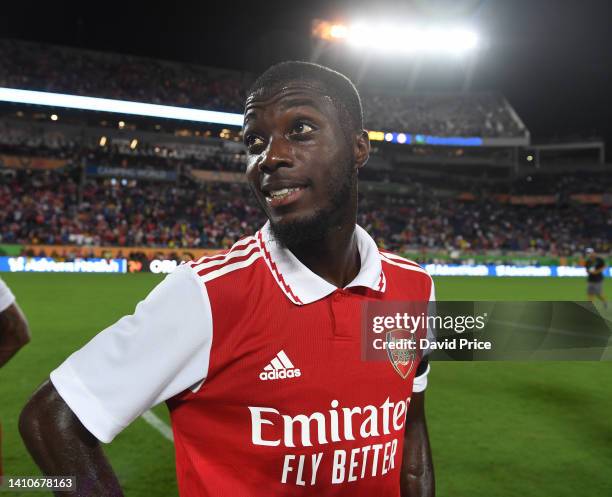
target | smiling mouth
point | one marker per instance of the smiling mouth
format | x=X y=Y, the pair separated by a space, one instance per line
x=283 y=196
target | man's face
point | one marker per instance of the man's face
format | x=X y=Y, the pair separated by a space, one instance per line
x=300 y=165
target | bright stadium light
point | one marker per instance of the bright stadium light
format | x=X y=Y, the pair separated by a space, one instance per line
x=376 y=135
x=338 y=31
x=393 y=38
x=14 y=95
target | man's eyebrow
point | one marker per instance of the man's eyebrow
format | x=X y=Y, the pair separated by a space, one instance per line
x=251 y=114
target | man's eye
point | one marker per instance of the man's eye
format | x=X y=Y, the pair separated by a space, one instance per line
x=301 y=128
x=253 y=141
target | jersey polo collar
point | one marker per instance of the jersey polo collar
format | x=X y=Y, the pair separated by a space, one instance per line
x=301 y=285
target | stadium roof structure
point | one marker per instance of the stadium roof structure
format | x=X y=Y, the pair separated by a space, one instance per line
x=431 y=105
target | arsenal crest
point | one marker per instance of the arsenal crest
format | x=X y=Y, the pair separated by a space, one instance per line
x=402 y=351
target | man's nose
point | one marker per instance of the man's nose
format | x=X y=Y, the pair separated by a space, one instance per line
x=277 y=154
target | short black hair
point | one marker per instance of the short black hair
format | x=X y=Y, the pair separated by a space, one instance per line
x=341 y=89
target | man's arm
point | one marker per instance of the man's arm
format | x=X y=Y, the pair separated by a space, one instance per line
x=417 y=476
x=119 y=374
x=62 y=446
x=599 y=268
x=14 y=332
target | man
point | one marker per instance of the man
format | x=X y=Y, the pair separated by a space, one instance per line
x=14 y=332
x=257 y=351
x=595 y=267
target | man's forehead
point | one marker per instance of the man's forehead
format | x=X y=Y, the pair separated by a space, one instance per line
x=289 y=94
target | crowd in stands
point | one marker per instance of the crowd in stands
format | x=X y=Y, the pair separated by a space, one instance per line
x=480 y=114
x=30 y=142
x=117 y=153
x=484 y=225
x=61 y=69
x=50 y=207
x=67 y=207
x=561 y=184
x=67 y=70
x=113 y=157
x=18 y=141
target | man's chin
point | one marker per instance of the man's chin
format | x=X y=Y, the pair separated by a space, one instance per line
x=296 y=231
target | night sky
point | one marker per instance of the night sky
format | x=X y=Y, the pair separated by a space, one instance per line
x=552 y=59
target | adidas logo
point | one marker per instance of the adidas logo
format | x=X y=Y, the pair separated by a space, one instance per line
x=279 y=368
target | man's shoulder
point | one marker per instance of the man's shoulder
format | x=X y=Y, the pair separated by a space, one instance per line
x=6 y=296
x=402 y=266
x=235 y=262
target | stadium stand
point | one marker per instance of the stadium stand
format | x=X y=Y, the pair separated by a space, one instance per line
x=53 y=207
x=40 y=67
x=53 y=191
x=474 y=114
x=50 y=207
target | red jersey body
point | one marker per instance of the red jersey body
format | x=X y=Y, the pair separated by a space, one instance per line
x=333 y=424
x=260 y=362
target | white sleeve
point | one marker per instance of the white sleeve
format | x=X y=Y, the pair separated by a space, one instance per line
x=142 y=359
x=6 y=296
x=420 y=382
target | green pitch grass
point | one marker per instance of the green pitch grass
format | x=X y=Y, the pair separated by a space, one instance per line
x=497 y=429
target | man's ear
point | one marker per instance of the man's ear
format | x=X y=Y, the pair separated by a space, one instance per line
x=362 y=149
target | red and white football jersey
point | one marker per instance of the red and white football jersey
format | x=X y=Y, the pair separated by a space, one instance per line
x=6 y=296
x=259 y=360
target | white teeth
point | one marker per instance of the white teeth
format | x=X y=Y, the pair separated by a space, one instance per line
x=283 y=192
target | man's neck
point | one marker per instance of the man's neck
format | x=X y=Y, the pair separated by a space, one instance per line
x=335 y=258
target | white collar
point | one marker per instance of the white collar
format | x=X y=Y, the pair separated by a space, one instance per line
x=301 y=285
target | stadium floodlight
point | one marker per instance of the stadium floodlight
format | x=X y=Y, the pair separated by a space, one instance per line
x=338 y=31
x=392 y=38
x=14 y=95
